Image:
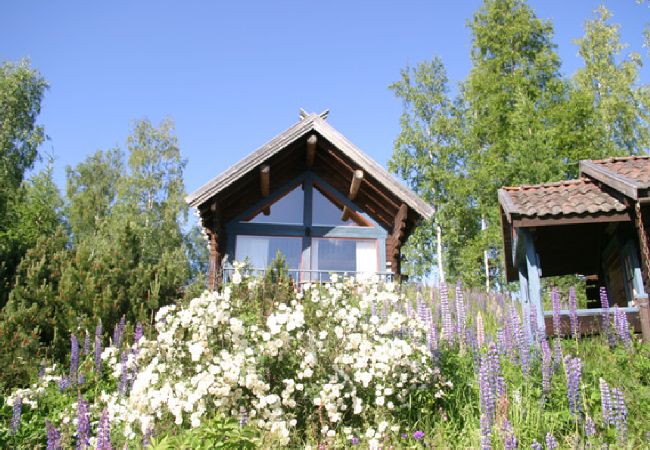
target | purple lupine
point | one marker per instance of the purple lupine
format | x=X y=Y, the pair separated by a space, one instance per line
x=354 y=440
x=104 y=432
x=53 y=436
x=461 y=313
x=432 y=337
x=555 y=302
x=509 y=440
x=605 y=402
x=590 y=427
x=146 y=439
x=17 y=412
x=551 y=442
x=98 y=348
x=573 y=369
x=139 y=332
x=64 y=383
x=41 y=371
x=418 y=435
x=118 y=332
x=619 y=416
x=536 y=446
x=546 y=367
x=83 y=423
x=487 y=401
x=622 y=326
x=501 y=341
x=124 y=376
x=573 y=312
x=447 y=326
x=243 y=417
x=517 y=336
x=497 y=382
x=605 y=320
x=86 y=346
x=74 y=358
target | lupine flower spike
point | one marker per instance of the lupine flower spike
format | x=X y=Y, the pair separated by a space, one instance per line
x=17 y=411
x=53 y=436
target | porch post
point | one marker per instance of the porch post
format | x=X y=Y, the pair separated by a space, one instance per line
x=533 y=282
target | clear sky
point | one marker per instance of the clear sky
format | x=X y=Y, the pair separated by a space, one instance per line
x=234 y=74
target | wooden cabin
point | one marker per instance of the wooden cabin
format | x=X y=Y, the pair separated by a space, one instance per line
x=596 y=226
x=316 y=198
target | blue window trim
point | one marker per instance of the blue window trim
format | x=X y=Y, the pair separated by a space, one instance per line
x=236 y=226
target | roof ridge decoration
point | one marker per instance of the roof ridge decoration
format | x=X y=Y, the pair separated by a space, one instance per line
x=310 y=122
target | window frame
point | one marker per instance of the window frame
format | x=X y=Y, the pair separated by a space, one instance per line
x=306 y=230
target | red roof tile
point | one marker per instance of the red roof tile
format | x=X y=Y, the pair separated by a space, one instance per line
x=634 y=168
x=580 y=196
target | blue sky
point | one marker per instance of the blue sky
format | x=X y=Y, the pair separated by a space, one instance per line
x=234 y=74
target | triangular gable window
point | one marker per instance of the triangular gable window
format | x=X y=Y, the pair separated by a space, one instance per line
x=288 y=209
x=327 y=212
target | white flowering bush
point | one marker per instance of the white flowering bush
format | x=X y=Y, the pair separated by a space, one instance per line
x=322 y=365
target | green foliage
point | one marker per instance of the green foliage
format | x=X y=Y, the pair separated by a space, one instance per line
x=515 y=121
x=21 y=92
x=219 y=433
x=127 y=255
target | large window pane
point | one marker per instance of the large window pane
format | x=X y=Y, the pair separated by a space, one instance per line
x=326 y=212
x=261 y=250
x=344 y=255
x=287 y=209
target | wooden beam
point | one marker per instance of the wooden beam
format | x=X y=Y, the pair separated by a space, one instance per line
x=265 y=185
x=311 y=150
x=395 y=238
x=569 y=219
x=357 y=176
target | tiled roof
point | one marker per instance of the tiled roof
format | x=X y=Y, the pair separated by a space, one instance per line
x=580 y=196
x=634 y=168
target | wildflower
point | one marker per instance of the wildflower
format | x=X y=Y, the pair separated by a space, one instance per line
x=555 y=301
x=605 y=402
x=573 y=369
x=461 y=315
x=123 y=377
x=487 y=401
x=74 y=358
x=146 y=439
x=590 y=427
x=98 y=348
x=118 y=331
x=546 y=367
x=17 y=410
x=497 y=382
x=447 y=327
x=480 y=330
x=104 y=432
x=53 y=436
x=536 y=446
x=605 y=321
x=622 y=326
x=138 y=334
x=243 y=417
x=64 y=383
x=534 y=326
x=83 y=423
x=551 y=442
x=418 y=435
x=573 y=312
x=354 y=440
x=619 y=418
x=509 y=440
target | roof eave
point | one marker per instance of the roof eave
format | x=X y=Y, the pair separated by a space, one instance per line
x=624 y=185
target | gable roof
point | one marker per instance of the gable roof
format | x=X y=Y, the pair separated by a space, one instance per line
x=628 y=175
x=570 y=197
x=310 y=123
